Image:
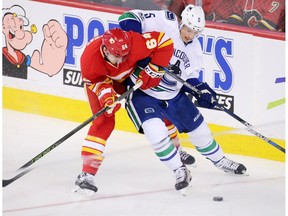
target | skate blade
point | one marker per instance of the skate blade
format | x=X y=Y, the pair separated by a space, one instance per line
x=184 y=191
x=194 y=165
x=244 y=174
x=232 y=173
x=82 y=192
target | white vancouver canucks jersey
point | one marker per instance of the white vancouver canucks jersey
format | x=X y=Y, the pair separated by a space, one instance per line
x=187 y=59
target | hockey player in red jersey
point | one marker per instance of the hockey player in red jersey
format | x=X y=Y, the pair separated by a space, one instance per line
x=259 y=14
x=264 y=14
x=105 y=63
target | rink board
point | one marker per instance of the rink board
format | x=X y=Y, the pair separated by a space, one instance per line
x=237 y=65
x=79 y=111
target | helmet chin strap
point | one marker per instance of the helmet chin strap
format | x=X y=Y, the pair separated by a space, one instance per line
x=180 y=25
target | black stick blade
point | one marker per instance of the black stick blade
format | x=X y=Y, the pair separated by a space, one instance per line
x=6 y=182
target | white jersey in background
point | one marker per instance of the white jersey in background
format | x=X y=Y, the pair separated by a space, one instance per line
x=188 y=58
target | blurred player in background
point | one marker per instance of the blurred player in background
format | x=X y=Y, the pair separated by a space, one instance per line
x=262 y=14
x=169 y=99
x=268 y=14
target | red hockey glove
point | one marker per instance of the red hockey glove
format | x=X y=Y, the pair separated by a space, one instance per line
x=150 y=76
x=107 y=96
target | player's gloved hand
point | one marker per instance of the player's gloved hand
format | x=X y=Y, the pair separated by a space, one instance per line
x=207 y=99
x=151 y=76
x=107 y=97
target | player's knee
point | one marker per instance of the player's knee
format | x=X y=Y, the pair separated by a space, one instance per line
x=201 y=135
x=155 y=130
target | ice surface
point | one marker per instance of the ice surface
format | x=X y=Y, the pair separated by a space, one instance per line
x=131 y=180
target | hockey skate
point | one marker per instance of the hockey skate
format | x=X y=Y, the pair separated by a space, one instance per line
x=183 y=178
x=230 y=166
x=186 y=158
x=84 y=185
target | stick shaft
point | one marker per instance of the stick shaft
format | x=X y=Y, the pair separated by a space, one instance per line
x=78 y=128
x=248 y=126
x=68 y=135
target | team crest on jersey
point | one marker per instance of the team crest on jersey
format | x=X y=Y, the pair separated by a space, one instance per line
x=149 y=110
x=170 y=15
x=175 y=68
x=141 y=15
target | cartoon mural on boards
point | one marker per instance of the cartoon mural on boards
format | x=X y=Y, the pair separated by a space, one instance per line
x=49 y=60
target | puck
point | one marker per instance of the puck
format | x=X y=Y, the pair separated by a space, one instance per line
x=217 y=198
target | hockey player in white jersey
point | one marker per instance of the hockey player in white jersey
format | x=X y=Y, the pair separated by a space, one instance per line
x=149 y=108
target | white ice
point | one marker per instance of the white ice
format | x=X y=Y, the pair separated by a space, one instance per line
x=131 y=181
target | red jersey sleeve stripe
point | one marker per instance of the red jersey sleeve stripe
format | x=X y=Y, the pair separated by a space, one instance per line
x=164 y=40
x=166 y=43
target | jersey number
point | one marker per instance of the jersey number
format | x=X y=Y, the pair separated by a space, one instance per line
x=152 y=43
x=275 y=5
x=168 y=14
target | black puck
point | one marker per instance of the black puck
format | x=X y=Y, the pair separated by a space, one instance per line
x=217 y=198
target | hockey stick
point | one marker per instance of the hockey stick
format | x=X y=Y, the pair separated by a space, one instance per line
x=6 y=182
x=249 y=127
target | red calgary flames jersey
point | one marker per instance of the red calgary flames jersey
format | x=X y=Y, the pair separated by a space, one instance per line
x=96 y=69
x=269 y=12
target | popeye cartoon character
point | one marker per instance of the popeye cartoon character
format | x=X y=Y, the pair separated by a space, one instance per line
x=49 y=60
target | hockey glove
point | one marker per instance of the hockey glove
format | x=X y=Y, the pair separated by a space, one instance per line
x=150 y=76
x=107 y=96
x=207 y=98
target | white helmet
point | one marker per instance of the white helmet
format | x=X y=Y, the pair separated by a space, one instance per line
x=193 y=17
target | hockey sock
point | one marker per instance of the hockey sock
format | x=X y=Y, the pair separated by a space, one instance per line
x=202 y=138
x=92 y=154
x=211 y=151
x=157 y=135
x=173 y=133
